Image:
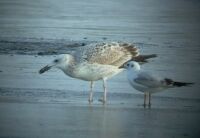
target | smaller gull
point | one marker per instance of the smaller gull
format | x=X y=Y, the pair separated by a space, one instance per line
x=148 y=83
x=98 y=61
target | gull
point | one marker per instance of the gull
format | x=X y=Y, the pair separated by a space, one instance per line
x=148 y=83
x=98 y=61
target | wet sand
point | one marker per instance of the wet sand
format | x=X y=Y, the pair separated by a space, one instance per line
x=53 y=105
x=67 y=120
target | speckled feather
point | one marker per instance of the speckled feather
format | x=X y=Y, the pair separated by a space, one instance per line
x=113 y=53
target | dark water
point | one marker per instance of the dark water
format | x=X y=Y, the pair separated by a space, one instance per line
x=32 y=33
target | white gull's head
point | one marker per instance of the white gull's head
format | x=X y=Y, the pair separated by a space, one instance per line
x=132 y=65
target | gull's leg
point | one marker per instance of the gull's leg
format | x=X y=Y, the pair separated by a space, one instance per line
x=105 y=91
x=91 y=92
x=149 y=99
x=145 y=96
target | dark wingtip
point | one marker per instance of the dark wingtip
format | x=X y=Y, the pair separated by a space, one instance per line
x=153 y=55
x=143 y=58
x=180 y=84
x=177 y=84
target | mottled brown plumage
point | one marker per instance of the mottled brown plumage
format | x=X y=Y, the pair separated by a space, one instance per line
x=113 y=53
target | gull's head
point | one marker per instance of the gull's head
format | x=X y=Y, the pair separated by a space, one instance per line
x=59 y=62
x=132 y=65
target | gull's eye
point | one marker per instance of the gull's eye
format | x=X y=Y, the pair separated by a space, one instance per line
x=132 y=66
x=128 y=65
x=56 y=60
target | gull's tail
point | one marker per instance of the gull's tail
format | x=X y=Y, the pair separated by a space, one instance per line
x=143 y=58
x=176 y=83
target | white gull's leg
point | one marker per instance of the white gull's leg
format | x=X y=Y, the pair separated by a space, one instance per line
x=149 y=99
x=145 y=97
x=91 y=92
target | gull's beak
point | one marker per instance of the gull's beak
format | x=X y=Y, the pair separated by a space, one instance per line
x=44 y=69
x=121 y=67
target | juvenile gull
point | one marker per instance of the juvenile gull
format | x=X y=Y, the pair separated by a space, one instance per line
x=148 y=83
x=96 y=62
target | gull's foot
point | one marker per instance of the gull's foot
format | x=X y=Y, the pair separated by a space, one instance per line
x=90 y=100
x=102 y=100
x=149 y=105
x=144 y=105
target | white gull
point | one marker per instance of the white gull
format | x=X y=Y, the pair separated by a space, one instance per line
x=98 y=61
x=148 y=83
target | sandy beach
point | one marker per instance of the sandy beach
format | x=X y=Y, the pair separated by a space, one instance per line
x=53 y=105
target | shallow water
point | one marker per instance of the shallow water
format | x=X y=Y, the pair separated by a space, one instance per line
x=62 y=120
x=53 y=105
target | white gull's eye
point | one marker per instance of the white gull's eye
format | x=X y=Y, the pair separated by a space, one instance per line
x=132 y=66
x=56 y=60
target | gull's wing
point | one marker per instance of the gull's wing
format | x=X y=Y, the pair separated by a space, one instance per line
x=148 y=80
x=113 y=53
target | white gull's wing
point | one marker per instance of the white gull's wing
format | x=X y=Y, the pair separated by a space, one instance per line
x=113 y=53
x=148 y=80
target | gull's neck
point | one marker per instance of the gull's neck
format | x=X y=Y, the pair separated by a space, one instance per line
x=136 y=67
x=68 y=64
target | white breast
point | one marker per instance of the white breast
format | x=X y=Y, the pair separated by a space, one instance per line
x=94 y=72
